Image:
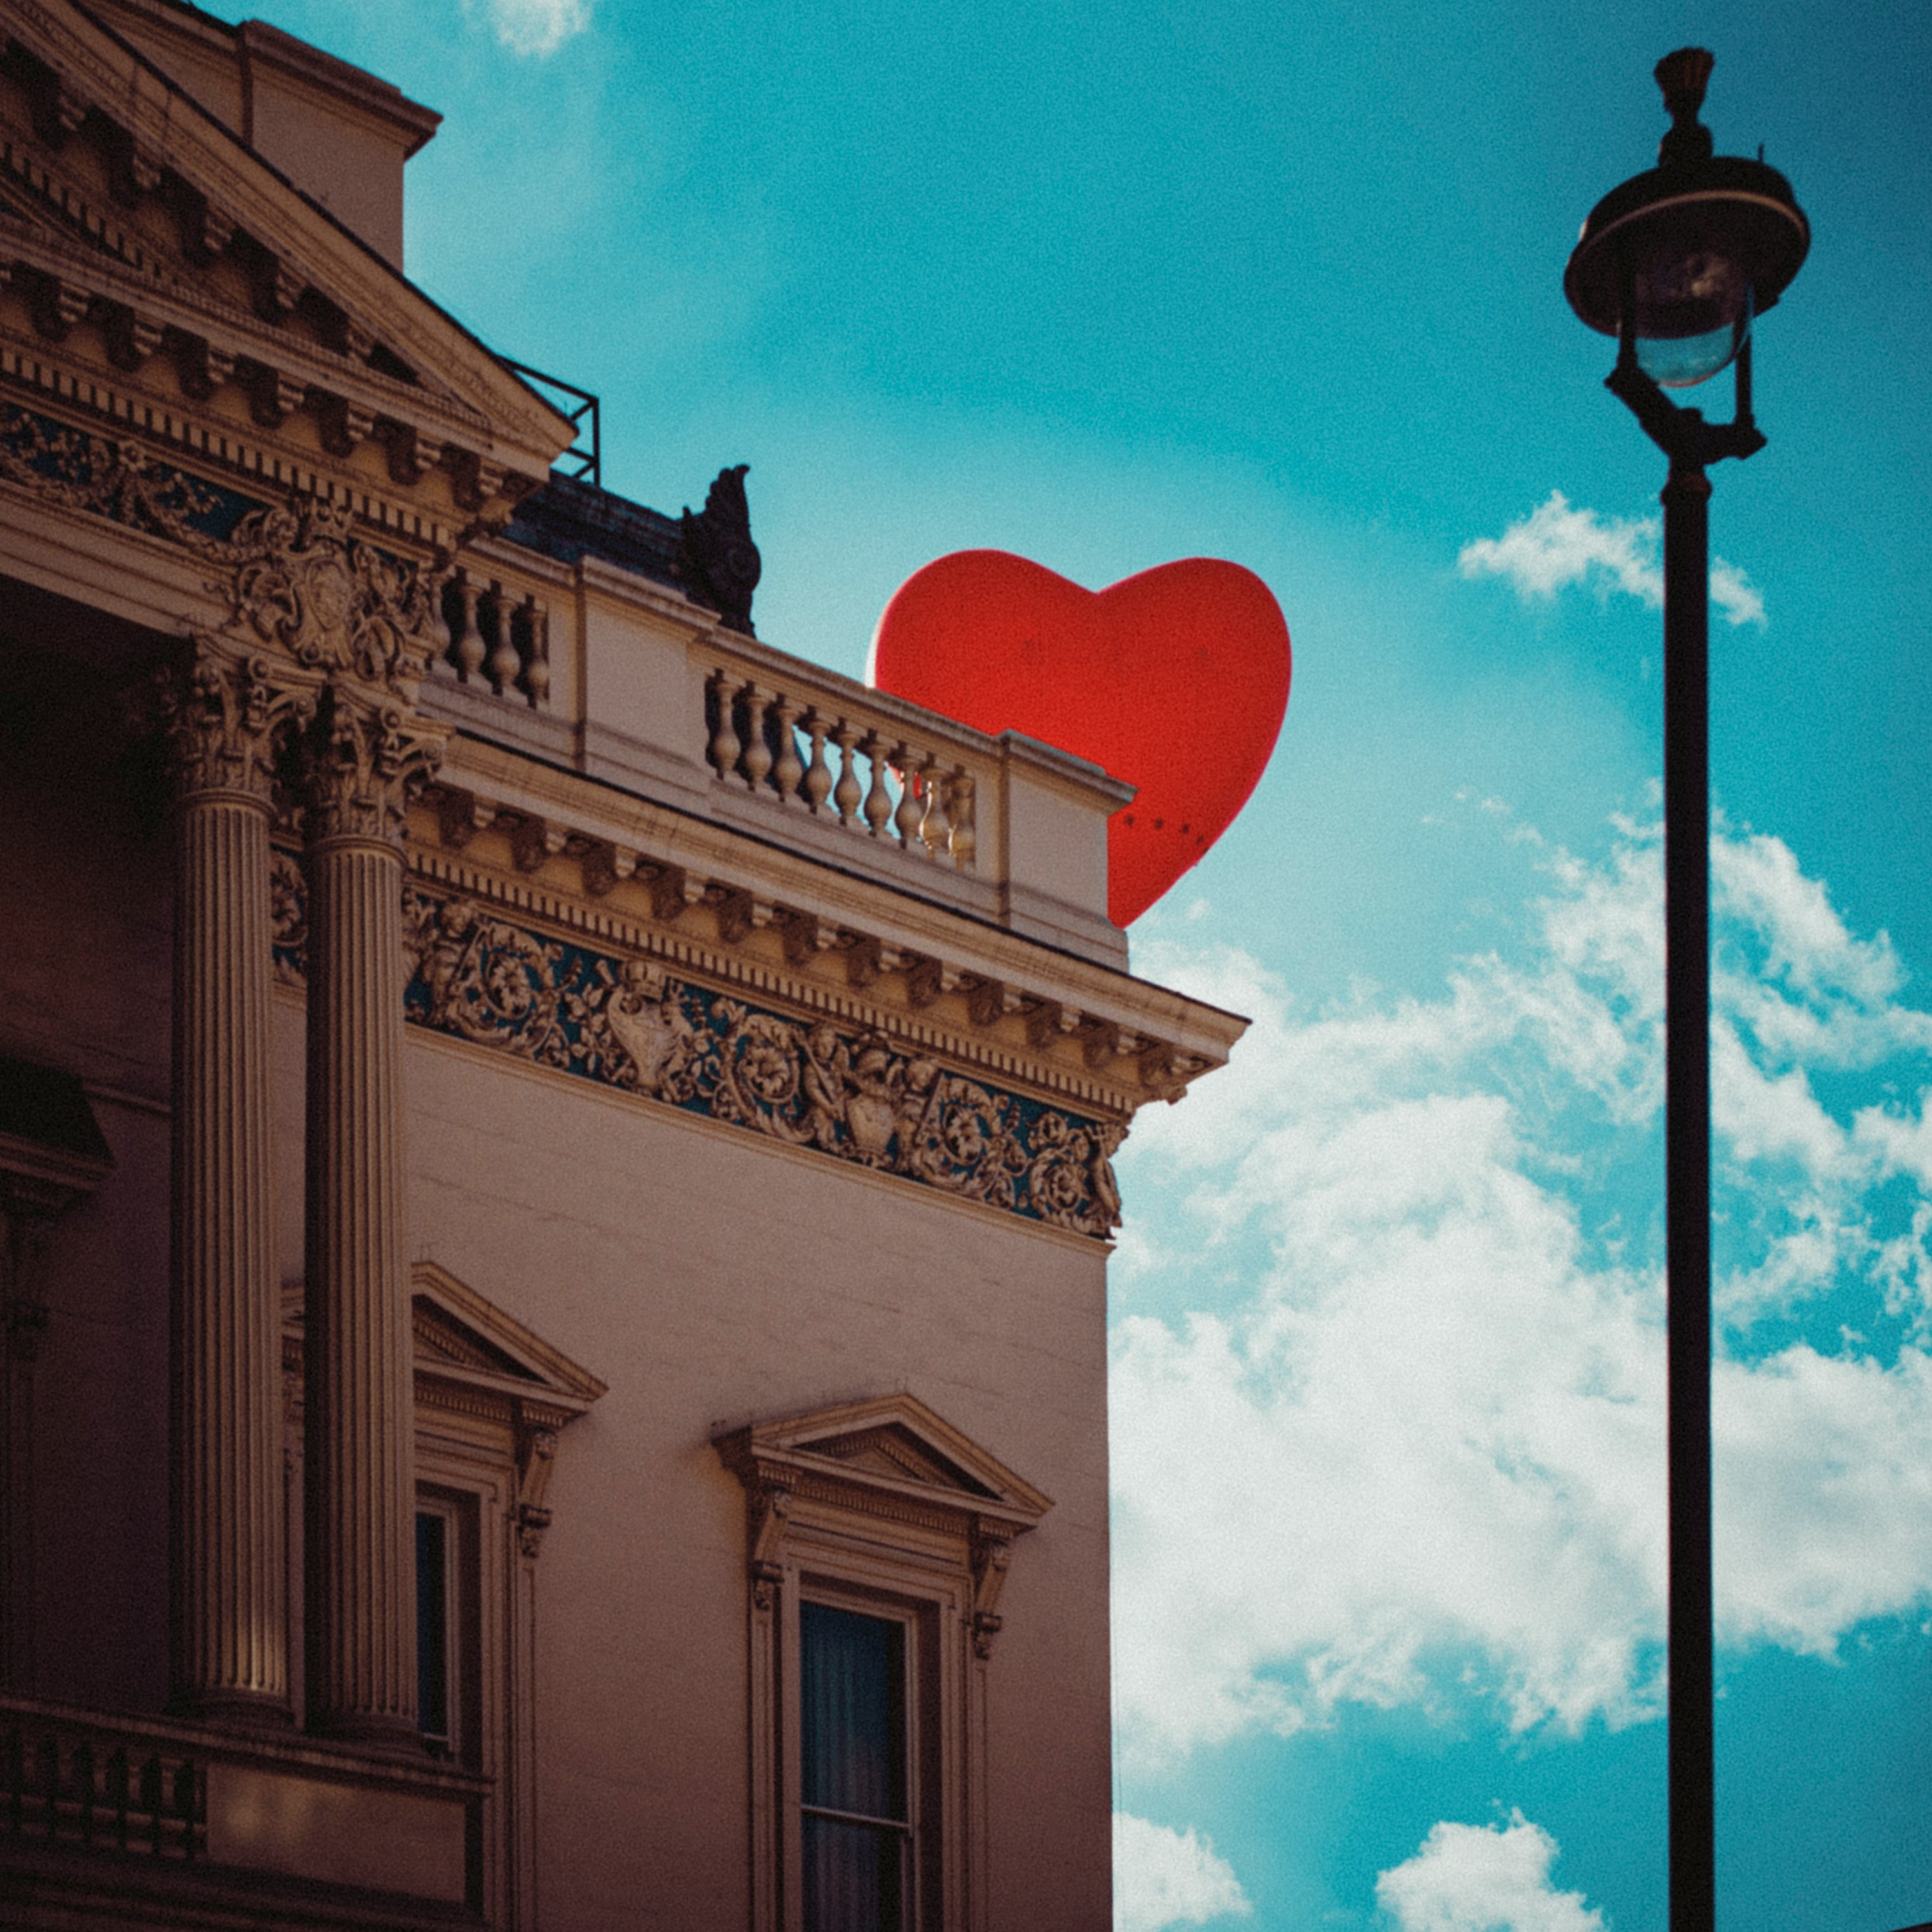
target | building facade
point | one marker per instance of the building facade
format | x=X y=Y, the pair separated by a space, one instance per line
x=555 y=1160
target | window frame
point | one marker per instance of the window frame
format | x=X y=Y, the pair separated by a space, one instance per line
x=442 y=1507
x=883 y=1507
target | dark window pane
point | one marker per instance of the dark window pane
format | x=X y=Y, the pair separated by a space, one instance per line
x=852 y=1715
x=854 y=1877
x=432 y=1624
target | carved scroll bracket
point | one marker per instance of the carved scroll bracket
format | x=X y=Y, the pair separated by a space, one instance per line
x=992 y=1554
x=536 y=1456
x=770 y=1508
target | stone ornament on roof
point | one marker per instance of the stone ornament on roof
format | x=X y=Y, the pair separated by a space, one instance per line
x=718 y=558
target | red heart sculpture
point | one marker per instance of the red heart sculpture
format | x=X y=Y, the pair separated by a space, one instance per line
x=1175 y=680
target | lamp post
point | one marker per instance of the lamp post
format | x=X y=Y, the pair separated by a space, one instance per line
x=1676 y=264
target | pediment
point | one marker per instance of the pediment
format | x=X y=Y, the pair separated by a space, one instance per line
x=460 y=1338
x=889 y=1445
x=457 y=1330
x=128 y=208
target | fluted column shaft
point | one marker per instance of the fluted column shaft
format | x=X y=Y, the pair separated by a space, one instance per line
x=360 y=1468
x=230 y=1625
x=360 y=1540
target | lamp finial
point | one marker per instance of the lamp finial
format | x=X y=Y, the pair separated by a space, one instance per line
x=1683 y=75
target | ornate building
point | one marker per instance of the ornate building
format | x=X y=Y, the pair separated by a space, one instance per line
x=555 y=1160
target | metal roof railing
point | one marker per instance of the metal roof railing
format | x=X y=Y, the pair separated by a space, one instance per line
x=580 y=407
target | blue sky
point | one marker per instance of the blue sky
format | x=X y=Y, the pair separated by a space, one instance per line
x=1282 y=283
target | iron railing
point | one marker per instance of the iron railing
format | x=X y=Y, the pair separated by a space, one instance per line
x=581 y=408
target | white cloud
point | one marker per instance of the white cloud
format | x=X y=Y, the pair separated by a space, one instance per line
x=1555 y=546
x=533 y=27
x=1823 y=1506
x=1735 y=595
x=1418 y=1456
x=1477 y=1878
x=1164 y=1878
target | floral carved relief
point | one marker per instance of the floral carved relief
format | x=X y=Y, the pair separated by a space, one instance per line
x=295 y=575
x=850 y=1094
x=105 y=478
x=288 y=916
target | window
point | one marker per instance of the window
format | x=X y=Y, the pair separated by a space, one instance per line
x=880 y=1537
x=433 y=1647
x=491 y=1401
x=855 y=1798
x=448 y=1664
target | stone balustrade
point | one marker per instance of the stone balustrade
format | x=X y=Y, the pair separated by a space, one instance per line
x=855 y=766
x=497 y=638
x=264 y=1829
x=62 y=1784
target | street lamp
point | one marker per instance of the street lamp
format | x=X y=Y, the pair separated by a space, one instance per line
x=1677 y=264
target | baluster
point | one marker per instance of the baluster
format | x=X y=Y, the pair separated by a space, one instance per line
x=535 y=680
x=81 y=1775
x=153 y=1801
x=933 y=826
x=847 y=793
x=502 y=664
x=905 y=820
x=878 y=800
x=436 y=633
x=757 y=763
x=724 y=750
x=789 y=769
x=818 y=785
x=185 y=1809
x=114 y=1791
x=965 y=840
x=466 y=651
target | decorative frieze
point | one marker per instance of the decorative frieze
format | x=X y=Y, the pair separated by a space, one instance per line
x=839 y=1089
x=850 y=1094
x=107 y=478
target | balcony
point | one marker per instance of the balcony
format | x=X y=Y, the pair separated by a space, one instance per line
x=135 y=1821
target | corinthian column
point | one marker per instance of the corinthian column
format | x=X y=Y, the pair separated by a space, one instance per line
x=222 y=713
x=360 y=1501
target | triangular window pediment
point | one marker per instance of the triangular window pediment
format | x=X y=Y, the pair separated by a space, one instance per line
x=888 y=1445
x=895 y=1451
x=462 y=1338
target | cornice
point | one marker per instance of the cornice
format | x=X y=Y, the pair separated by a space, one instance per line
x=884 y=1005
x=598 y=859
x=227 y=452
x=158 y=142
x=294 y=392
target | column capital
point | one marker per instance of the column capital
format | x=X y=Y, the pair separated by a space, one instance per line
x=224 y=713
x=361 y=760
